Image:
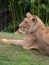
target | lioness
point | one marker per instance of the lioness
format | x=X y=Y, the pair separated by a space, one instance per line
x=23 y=28
x=38 y=37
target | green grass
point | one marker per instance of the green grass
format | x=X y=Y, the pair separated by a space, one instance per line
x=15 y=55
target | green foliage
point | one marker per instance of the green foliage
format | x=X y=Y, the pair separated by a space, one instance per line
x=19 y=8
x=10 y=28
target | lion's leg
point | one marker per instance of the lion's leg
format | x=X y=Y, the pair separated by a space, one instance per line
x=14 y=42
x=6 y=41
x=31 y=47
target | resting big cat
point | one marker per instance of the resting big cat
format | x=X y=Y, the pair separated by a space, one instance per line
x=37 y=35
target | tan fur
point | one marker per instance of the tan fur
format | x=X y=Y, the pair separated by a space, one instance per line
x=23 y=28
x=47 y=29
x=37 y=38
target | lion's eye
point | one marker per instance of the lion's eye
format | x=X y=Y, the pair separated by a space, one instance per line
x=33 y=19
x=25 y=21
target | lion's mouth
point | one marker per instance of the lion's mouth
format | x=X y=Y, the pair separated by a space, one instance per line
x=21 y=30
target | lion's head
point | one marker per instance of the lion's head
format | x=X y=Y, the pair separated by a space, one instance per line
x=25 y=24
x=30 y=23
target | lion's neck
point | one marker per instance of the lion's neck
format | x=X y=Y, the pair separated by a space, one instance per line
x=41 y=31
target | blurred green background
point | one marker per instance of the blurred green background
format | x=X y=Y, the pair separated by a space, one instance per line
x=12 y=12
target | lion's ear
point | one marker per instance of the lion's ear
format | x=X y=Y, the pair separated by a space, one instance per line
x=28 y=14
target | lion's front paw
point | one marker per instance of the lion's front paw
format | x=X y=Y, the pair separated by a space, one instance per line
x=5 y=41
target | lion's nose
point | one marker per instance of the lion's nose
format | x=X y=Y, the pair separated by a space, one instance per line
x=21 y=25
